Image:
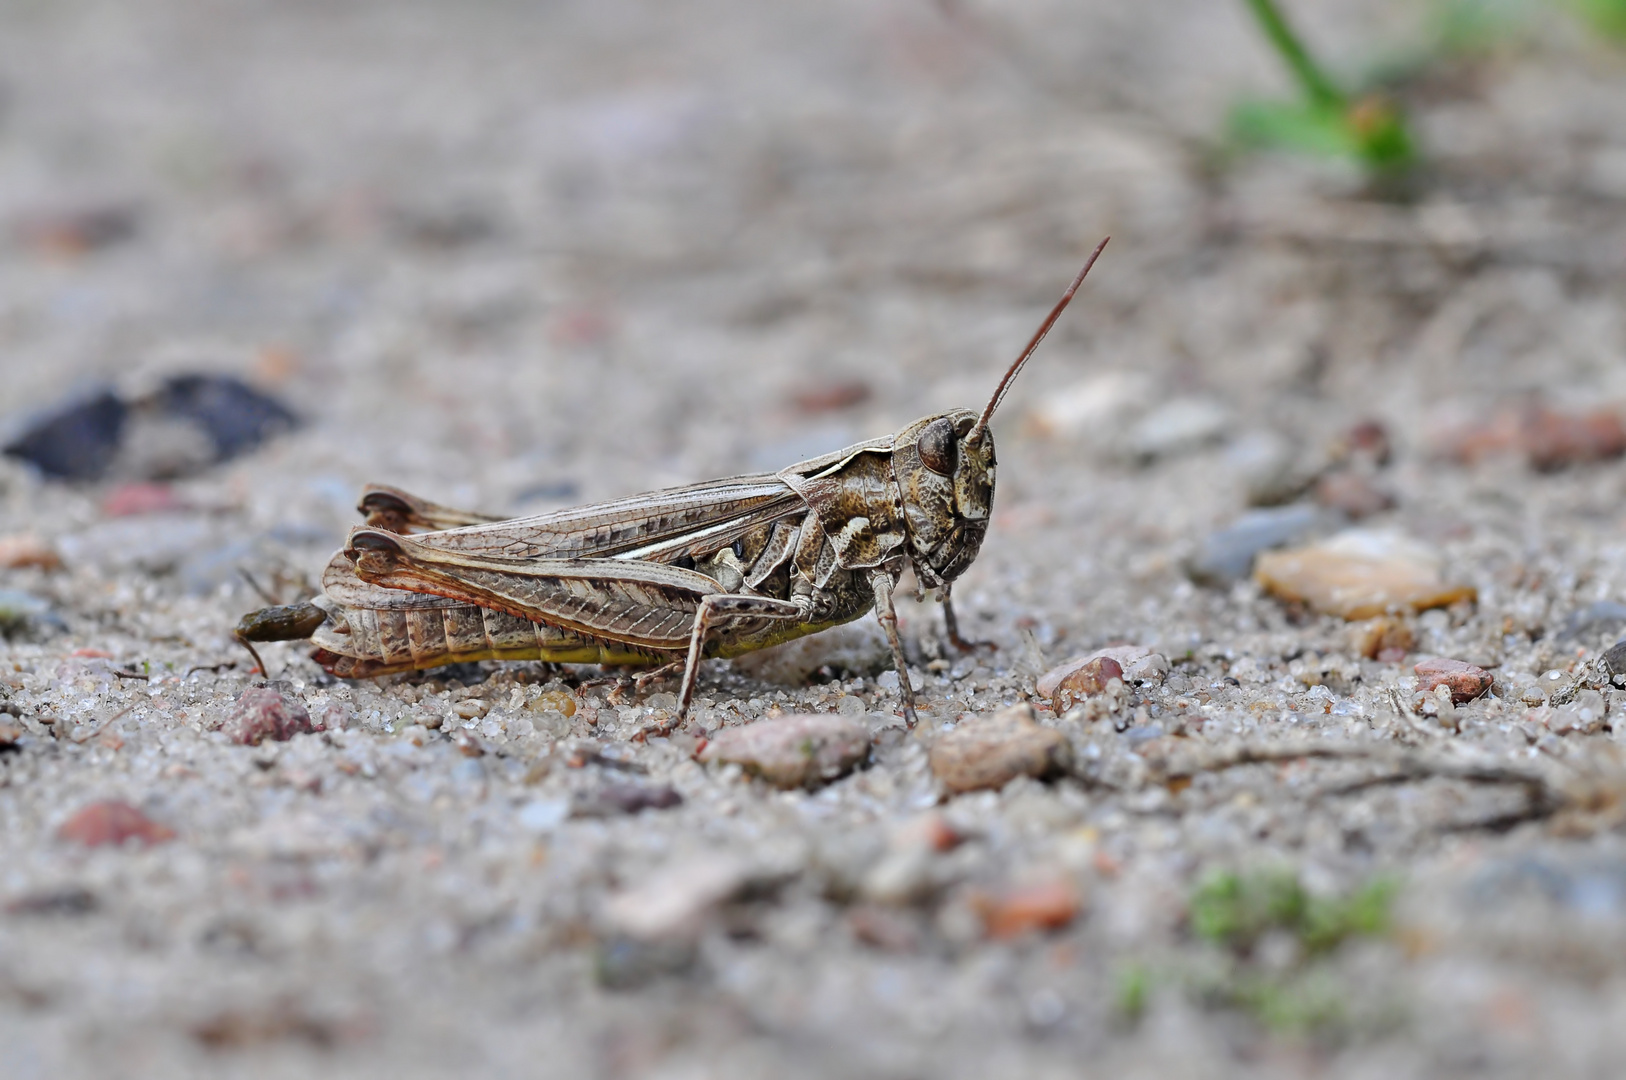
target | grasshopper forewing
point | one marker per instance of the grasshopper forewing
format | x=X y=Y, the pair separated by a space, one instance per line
x=710 y=570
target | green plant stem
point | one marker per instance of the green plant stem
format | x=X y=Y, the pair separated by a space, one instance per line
x=1316 y=83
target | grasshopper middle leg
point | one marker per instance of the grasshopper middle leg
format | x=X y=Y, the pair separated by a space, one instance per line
x=951 y=624
x=881 y=580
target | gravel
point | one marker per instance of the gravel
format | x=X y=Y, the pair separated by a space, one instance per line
x=519 y=257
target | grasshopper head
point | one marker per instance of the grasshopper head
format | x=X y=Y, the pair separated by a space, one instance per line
x=947 y=481
x=945 y=468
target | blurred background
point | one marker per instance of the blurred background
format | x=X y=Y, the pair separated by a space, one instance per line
x=513 y=252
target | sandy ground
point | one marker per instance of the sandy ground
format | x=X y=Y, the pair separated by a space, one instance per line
x=517 y=257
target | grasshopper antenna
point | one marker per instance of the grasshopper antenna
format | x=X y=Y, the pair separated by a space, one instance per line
x=1033 y=345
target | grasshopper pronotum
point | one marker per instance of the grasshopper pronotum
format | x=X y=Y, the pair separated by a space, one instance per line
x=710 y=570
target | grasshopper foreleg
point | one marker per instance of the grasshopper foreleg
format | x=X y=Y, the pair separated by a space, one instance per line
x=881 y=581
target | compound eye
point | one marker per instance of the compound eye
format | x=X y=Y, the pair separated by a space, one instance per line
x=936 y=446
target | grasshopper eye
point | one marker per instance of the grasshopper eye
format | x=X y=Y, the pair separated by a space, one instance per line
x=936 y=446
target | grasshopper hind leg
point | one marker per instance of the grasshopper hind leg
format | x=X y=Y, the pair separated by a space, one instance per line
x=713 y=608
x=282 y=622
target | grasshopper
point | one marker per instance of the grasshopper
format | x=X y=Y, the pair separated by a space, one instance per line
x=710 y=570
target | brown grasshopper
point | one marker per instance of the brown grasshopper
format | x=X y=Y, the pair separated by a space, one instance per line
x=711 y=570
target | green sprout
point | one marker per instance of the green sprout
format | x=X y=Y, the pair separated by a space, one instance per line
x=1133 y=990
x=1305 y=997
x=1607 y=17
x=1236 y=910
x=1367 y=127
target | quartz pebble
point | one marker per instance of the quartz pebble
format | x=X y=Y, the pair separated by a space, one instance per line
x=1387 y=638
x=1360 y=574
x=1464 y=680
x=674 y=901
x=1582 y=716
x=1086 y=680
x=553 y=701
x=263 y=713
x=1136 y=663
x=799 y=750
x=990 y=751
x=112 y=822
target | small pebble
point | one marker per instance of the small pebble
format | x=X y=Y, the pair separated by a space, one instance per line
x=471 y=708
x=1136 y=663
x=1227 y=554
x=1614 y=658
x=990 y=751
x=627 y=963
x=1387 y=638
x=65 y=900
x=798 y=750
x=612 y=800
x=1554 y=440
x=831 y=396
x=77 y=442
x=1582 y=716
x=1086 y=680
x=1366 y=441
x=1352 y=493
x=883 y=928
x=1464 y=680
x=555 y=701
x=20 y=551
x=1046 y=906
x=542 y=815
x=145 y=497
x=673 y=902
x=1177 y=427
x=113 y=822
x=1547 y=438
x=1091 y=405
x=1359 y=574
x=262 y=713
x=21 y=611
x=80 y=230
x=857 y=648
x=1605 y=615
x=233 y=415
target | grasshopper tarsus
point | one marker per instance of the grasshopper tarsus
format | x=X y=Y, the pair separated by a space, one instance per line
x=951 y=626
x=259 y=665
x=646 y=678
